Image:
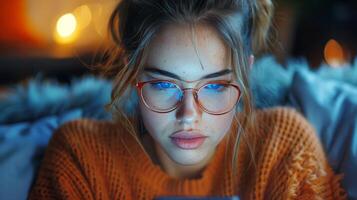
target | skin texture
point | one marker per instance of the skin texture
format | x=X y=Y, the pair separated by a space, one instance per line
x=173 y=50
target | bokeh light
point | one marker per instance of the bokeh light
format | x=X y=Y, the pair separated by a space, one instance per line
x=83 y=15
x=334 y=55
x=66 y=27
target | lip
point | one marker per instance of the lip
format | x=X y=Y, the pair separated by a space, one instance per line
x=187 y=134
x=188 y=139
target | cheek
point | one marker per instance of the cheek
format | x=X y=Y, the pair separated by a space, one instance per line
x=218 y=125
x=156 y=123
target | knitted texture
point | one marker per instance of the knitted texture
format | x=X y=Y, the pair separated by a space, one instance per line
x=279 y=158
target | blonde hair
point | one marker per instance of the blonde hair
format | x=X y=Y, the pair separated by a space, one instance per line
x=243 y=25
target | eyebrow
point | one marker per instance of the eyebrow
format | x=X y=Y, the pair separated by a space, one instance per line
x=172 y=75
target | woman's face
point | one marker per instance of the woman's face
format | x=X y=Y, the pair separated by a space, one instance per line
x=172 y=56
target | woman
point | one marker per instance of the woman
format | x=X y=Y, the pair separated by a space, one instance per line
x=185 y=124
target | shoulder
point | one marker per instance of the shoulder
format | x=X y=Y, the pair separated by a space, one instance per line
x=282 y=116
x=288 y=152
x=79 y=160
x=88 y=143
x=284 y=122
x=284 y=132
x=86 y=135
x=84 y=128
x=86 y=125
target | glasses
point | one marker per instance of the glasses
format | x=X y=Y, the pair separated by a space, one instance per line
x=215 y=97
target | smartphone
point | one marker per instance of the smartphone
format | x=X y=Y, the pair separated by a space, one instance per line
x=196 y=198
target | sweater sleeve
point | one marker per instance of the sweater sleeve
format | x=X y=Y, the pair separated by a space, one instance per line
x=310 y=167
x=60 y=176
x=290 y=160
x=303 y=164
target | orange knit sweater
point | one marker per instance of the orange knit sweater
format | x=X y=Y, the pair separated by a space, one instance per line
x=99 y=160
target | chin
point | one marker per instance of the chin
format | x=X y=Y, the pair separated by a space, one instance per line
x=188 y=157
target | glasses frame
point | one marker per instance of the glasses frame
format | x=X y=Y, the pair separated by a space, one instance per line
x=195 y=91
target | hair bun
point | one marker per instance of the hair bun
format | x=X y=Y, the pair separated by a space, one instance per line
x=261 y=22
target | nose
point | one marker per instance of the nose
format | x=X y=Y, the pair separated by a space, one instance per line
x=189 y=111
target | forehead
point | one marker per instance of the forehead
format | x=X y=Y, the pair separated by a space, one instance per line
x=188 y=54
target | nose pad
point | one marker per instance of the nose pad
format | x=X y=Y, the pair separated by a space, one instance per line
x=189 y=110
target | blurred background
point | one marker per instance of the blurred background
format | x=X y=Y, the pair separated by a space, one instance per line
x=322 y=31
x=54 y=38
x=59 y=38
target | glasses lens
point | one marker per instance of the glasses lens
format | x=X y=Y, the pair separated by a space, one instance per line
x=218 y=97
x=161 y=95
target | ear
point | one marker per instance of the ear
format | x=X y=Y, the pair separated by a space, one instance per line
x=251 y=61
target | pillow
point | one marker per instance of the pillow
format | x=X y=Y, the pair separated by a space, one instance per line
x=331 y=107
x=22 y=146
x=29 y=116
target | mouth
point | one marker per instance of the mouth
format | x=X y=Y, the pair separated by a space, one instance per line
x=187 y=139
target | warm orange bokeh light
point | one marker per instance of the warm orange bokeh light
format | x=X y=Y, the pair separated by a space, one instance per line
x=334 y=55
x=46 y=24
x=83 y=15
x=66 y=28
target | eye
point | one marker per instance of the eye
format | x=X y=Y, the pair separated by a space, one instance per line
x=214 y=86
x=162 y=85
